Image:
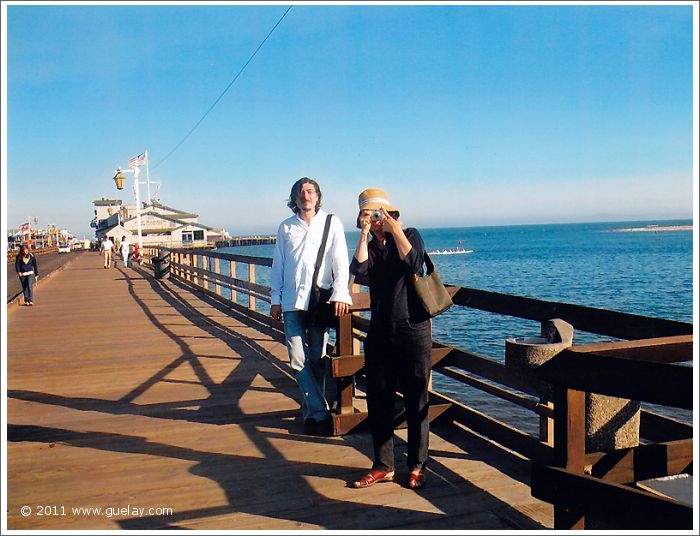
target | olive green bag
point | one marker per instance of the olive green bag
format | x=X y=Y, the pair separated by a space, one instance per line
x=431 y=291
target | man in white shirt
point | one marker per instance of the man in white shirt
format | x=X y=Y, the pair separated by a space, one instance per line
x=106 y=250
x=298 y=240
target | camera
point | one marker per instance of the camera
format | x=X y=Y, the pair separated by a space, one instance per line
x=376 y=215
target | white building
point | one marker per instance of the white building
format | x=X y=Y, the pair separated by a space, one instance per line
x=160 y=225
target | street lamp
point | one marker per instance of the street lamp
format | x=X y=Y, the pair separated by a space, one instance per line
x=119 y=181
x=134 y=167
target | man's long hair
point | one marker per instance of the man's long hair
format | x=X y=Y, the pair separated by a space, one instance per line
x=292 y=202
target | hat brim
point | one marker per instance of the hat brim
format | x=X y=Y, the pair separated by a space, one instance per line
x=379 y=206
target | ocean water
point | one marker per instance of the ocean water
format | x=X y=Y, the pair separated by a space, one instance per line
x=591 y=264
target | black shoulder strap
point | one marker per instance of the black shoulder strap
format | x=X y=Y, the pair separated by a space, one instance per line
x=321 y=250
x=428 y=263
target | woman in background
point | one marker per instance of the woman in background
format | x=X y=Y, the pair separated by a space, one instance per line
x=28 y=272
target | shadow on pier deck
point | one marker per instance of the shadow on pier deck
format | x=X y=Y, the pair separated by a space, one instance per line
x=126 y=393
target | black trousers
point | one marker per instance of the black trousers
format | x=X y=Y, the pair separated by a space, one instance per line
x=398 y=353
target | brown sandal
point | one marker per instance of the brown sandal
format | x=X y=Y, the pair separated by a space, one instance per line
x=416 y=479
x=372 y=478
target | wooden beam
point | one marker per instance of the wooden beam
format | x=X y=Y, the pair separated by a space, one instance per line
x=346 y=365
x=439 y=353
x=487 y=367
x=661 y=349
x=657 y=428
x=360 y=301
x=495 y=430
x=657 y=383
x=593 y=320
x=345 y=423
x=625 y=466
x=623 y=506
x=520 y=400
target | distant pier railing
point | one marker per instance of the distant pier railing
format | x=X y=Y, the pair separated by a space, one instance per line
x=246 y=241
x=232 y=279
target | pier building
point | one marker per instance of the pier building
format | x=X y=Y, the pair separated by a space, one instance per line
x=161 y=225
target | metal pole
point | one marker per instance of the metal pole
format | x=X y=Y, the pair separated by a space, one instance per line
x=148 y=178
x=138 y=209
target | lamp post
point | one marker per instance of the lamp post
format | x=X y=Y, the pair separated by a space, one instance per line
x=119 y=181
x=134 y=167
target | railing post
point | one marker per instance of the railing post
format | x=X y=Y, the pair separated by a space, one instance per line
x=251 y=278
x=232 y=273
x=217 y=286
x=569 y=446
x=345 y=346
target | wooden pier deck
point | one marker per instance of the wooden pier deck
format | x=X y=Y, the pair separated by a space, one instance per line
x=126 y=392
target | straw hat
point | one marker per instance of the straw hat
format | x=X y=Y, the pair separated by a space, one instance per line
x=375 y=199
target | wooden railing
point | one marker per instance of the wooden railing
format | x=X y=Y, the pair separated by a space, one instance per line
x=602 y=485
x=232 y=278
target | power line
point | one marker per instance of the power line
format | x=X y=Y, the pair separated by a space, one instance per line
x=225 y=90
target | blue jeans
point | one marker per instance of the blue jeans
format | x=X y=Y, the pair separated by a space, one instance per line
x=306 y=346
x=28 y=287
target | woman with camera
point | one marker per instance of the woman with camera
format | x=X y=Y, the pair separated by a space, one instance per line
x=399 y=340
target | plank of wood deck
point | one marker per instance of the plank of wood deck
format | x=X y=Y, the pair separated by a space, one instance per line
x=127 y=392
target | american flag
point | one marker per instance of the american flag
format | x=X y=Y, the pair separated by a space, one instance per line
x=138 y=161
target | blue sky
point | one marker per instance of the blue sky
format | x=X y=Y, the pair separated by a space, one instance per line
x=465 y=114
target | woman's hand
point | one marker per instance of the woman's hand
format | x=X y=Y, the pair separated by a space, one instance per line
x=391 y=225
x=365 y=223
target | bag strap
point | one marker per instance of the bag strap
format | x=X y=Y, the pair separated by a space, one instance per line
x=321 y=250
x=428 y=263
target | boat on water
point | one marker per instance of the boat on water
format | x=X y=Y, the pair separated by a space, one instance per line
x=451 y=251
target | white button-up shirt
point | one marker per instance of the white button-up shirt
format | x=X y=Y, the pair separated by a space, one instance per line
x=295 y=256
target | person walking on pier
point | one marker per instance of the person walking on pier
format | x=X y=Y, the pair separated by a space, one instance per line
x=28 y=272
x=399 y=340
x=106 y=249
x=293 y=263
x=124 y=245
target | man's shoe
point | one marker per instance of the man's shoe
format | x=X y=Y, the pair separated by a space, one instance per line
x=319 y=428
x=372 y=478
x=416 y=479
x=325 y=427
x=310 y=427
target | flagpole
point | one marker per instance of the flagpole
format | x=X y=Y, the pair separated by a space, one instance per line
x=148 y=178
x=138 y=209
